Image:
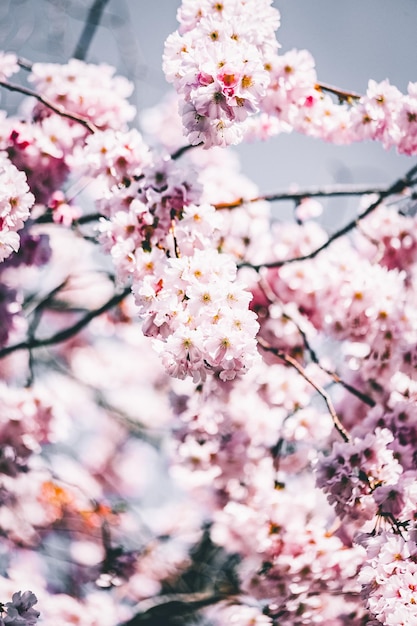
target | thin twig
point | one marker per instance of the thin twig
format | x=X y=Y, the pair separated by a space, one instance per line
x=271 y=297
x=50 y=105
x=296 y=365
x=396 y=188
x=328 y=191
x=66 y=333
x=25 y=64
x=176 y=155
x=342 y=94
x=90 y=27
x=333 y=375
x=37 y=316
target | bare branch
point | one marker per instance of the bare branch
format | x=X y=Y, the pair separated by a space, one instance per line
x=333 y=375
x=178 y=153
x=157 y=609
x=36 y=318
x=90 y=27
x=398 y=187
x=327 y=191
x=342 y=94
x=271 y=297
x=296 y=365
x=66 y=333
x=50 y=105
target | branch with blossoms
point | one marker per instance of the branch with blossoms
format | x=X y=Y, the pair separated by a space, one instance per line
x=203 y=478
x=398 y=187
x=333 y=375
x=270 y=296
x=327 y=191
x=59 y=110
x=289 y=360
x=342 y=94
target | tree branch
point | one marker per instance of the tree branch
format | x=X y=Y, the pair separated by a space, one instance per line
x=67 y=333
x=90 y=27
x=342 y=94
x=36 y=318
x=333 y=375
x=296 y=365
x=178 y=153
x=165 y=609
x=326 y=191
x=396 y=188
x=50 y=105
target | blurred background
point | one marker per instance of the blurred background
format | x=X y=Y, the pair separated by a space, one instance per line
x=350 y=41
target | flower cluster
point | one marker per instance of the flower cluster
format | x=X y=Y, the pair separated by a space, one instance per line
x=20 y=611
x=85 y=89
x=186 y=290
x=223 y=62
x=355 y=470
x=15 y=203
x=296 y=97
x=192 y=303
x=389 y=577
x=217 y=65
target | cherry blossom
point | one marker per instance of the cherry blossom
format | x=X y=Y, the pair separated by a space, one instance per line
x=207 y=408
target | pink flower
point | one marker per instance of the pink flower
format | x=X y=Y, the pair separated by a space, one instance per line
x=8 y=65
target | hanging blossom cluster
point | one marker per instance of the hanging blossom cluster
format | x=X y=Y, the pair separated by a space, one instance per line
x=374 y=474
x=186 y=289
x=298 y=100
x=216 y=62
x=224 y=64
x=15 y=202
x=357 y=472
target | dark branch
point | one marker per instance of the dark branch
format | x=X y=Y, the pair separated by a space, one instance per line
x=50 y=105
x=88 y=218
x=67 y=333
x=90 y=27
x=342 y=94
x=396 y=188
x=168 y=609
x=328 y=191
x=289 y=360
x=47 y=218
x=333 y=375
x=178 y=153
x=36 y=318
